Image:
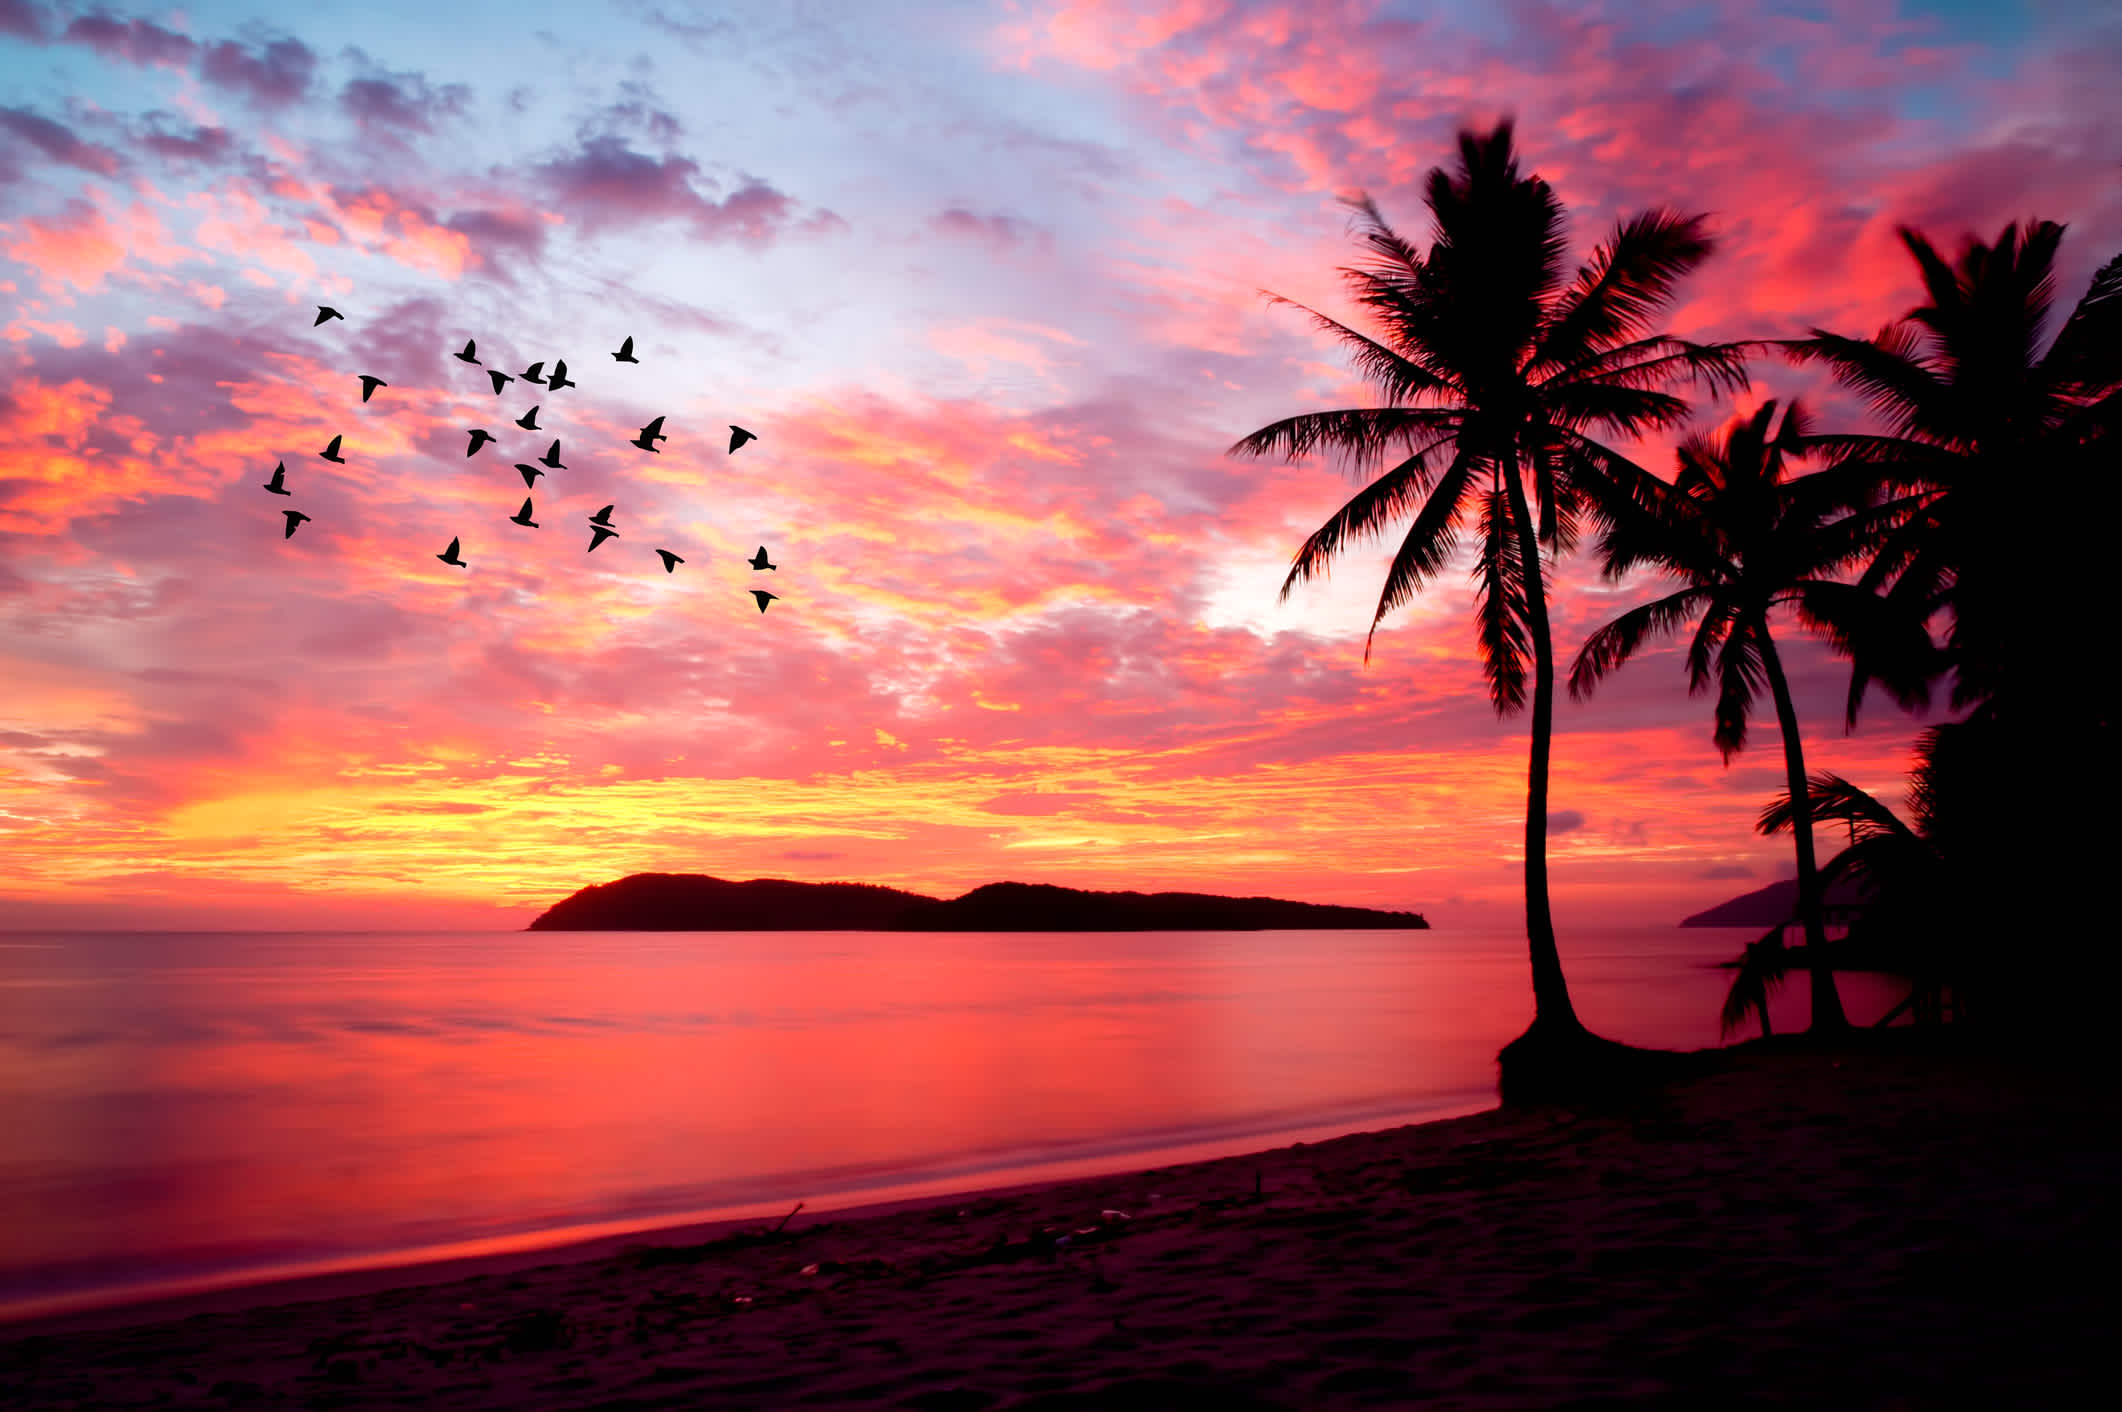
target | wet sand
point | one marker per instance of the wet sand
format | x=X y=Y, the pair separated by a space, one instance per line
x=1892 y=1230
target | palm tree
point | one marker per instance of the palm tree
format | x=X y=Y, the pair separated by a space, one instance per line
x=1918 y=912
x=1496 y=369
x=1744 y=539
x=2004 y=459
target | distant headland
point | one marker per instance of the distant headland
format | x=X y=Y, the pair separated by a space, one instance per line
x=1778 y=902
x=693 y=902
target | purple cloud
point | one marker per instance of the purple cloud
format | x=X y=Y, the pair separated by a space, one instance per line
x=272 y=78
x=209 y=146
x=490 y=232
x=406 y=102
x=23 y=20
x=638 y=113
x=57 y=142
x=609 y=184
x=1000 y=232
x=136 y=41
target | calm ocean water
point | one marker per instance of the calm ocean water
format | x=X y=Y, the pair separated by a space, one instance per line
x=189 y=1109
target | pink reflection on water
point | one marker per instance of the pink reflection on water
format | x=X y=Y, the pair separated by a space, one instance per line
x=199 y=1106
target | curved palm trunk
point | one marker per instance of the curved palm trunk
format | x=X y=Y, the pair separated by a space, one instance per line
x=1551 y=1006
x=1828 y=1015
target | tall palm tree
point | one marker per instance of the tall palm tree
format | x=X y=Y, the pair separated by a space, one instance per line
x=1496 y=369
x=1743 y=538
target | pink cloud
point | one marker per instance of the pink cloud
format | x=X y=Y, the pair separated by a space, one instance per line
x=77 y=248
x=63 y=334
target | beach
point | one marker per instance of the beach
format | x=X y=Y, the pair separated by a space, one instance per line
x=1890 y=1226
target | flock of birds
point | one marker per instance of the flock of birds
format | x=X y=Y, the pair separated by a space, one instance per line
x=600 y=524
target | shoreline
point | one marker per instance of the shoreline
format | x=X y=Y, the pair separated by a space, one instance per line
x=1872 y=1227
x=329 y=1277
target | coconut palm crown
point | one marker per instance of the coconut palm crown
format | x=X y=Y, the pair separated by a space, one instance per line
x=1983 y=432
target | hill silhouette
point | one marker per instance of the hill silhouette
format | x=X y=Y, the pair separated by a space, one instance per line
x=696 y=902
x=693 y=902
x=1778 y=902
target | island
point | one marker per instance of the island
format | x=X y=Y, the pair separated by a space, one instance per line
x=694 y=902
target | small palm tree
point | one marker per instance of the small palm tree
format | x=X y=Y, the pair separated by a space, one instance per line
x=1745 y=539
x=1496 y=371
x=1918 y=910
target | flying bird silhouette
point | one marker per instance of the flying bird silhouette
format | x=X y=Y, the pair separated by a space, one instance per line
x=559 y=377
x=764 y=597
x=471 y=351
x=522 y=516
x=602 y=517
x=449 y=556
x=331 y=452
x=758 y=561
x=294 y=517
x=479 y=436
x=500 y=378
x=738 y=436
x=626 y=352
x=600 y=533
x=278 y=484
x=552 y=457
x=670 y=561
x=530 y=475
x=370 y=384
x=534 y=374
x=650 y=435
x=326 y=312
x=529 y=420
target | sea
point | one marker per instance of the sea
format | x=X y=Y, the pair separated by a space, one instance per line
x=183 y=1111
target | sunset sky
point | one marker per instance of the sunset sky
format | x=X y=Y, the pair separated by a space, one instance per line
x=985 y=280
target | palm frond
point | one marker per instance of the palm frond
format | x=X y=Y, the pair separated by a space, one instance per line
x=1899 y=465
x=1614 y=409
x=1833 y=798
x=1884 y=642
x=1400 y=378
x=1896 y=383
x=1760 y=974
x=1614 y=643
x=2086 y=358
x=1605 y=481
x=1361 y=433
x=1499 y=603
x=1718 y=367
x=1427 y=546
x=1393 y=251
x=1625 y=282
x=1368 y=512
x=1718 y=621
x=1740 y=675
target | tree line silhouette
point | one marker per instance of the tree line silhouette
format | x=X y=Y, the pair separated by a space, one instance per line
x=1979 y=510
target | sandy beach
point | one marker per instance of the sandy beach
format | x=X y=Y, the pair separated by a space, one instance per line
x=1889 y=1229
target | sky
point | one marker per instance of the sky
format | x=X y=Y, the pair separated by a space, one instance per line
x=986 y=280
